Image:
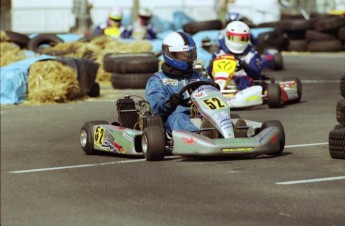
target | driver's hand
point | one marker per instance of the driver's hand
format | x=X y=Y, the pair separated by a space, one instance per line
x=175 y=100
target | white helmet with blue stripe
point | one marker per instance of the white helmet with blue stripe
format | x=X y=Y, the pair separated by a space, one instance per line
x=179 y=51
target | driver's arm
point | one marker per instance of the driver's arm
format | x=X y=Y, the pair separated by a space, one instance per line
x=158 y=97
x=253 y=69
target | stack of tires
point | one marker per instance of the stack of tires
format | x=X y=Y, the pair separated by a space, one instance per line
x=130 y=70
x=336 y=138
x=319 y=34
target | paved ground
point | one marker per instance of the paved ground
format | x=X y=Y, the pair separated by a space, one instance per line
x=46 y=179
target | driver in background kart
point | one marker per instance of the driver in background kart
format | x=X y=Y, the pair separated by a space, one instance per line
x=179 y=53
x=236 y=42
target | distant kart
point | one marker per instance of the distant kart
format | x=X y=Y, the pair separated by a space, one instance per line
x=260 y=92
x=139 y=132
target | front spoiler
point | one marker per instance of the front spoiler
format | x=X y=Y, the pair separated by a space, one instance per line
x=191 y=144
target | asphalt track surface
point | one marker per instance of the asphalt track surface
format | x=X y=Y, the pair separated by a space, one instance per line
x=46 y=179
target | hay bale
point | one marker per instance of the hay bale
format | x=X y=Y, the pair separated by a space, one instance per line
x=51 y=82
x=9 y=53
x=3 y=36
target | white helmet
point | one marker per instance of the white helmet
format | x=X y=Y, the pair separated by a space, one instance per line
x=237 y=36
x=145 y=13
x=115 y=14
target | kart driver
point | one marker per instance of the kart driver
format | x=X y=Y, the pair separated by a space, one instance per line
x=179 y=53
x=236 y=42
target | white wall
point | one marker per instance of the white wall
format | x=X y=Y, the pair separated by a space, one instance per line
x=39 y=16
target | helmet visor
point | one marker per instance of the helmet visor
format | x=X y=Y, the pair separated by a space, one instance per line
x=237 y=38
x=182 y=53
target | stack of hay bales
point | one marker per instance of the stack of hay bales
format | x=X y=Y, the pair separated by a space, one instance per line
x=9 y=51
x=51 y=81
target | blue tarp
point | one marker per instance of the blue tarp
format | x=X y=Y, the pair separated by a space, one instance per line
x=13 y=79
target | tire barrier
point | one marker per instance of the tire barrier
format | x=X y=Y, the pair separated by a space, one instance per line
x=86 y=72
x=130 y=70
x=336 y=137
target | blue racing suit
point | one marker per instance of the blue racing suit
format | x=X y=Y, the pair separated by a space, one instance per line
x=159 y=88
x=249 y=55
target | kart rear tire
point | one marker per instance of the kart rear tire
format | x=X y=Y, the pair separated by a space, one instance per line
x=212 y=133
x=278 y=124
x=299 y=88
x=274 y=95
x=336 y=141
x=153 y=143
x=87 y=136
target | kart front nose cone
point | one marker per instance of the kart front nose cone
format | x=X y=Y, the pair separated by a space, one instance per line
x=83 y=138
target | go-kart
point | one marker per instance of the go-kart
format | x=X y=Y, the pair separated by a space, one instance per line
x=260 y=92
x=139 y=132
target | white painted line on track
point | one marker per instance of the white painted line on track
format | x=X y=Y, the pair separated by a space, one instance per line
x=311 y=180
x=127 y=161
x=320 y=81
x=305 y=145
x=77 y=166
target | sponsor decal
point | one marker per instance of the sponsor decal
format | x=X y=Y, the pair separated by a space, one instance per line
x=99 y=135
x=242 y=149
x=224 y=120
x=206 y=88
x=197 y=95
x=113 y=147
x=253 y=98
x=188 y=140
x=167 y=81
x=264 y=136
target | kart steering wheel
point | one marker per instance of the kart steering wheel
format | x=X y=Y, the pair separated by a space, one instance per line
x=193 y=86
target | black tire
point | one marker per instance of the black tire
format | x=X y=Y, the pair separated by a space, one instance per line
x=278 y=124
x=153 y=143
x=129 y=81
x=339 y=126
x=274 y=96
x=94 y=90
x=299 y=88
x=86 y=71
x=336 y=143
x=87 y=136
x=340 y=111
x=212 y=133
x=311 y=35
x=36 y=43
x=278 y=61
x=20 y=39
x=194 y=27
x=341 y=34
x=296 y=25
x=325 y=46
x=130 y=63
x=234 y=116
x=342 y=85
x=327 y=24
x=297 y=45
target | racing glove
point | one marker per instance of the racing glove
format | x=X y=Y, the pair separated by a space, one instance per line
x=175 y=100
x=242 y=64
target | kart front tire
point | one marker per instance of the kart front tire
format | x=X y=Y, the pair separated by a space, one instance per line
x=87 y=136
x=274 y=95
x=278 y=124
x=153 y=143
